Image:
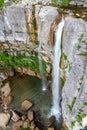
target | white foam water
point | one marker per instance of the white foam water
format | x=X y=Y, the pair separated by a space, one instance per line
x=56 y=109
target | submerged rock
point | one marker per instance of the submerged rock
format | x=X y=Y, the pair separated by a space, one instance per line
x=26 y=123
x=17 y=125
x=26 y=105
x=50 y=128
x=30 y=115
x=51 y=120
x=7 y=100
x=15 y=117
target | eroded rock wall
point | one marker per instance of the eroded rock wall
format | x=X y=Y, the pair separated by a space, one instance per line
x=74 y=92
x=24 y=29
x=78 y=2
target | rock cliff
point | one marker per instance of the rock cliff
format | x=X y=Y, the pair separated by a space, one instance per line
x=24 y=29
x=74 y=96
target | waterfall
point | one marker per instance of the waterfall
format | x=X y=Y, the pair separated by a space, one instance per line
x=44 y=86
x=56 y=109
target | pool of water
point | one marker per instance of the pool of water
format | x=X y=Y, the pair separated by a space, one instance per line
x=29 y=87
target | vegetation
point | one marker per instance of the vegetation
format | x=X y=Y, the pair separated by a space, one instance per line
x=20 y=60
x=83 y=54
x=65 y=2
x=72 y=124
x=78 y=118
x=25 y=128
x=67 y=62
x=2 y=4
x=62 y=81
x=80 y=39
x=85 y=103
x=72 y=104
x=54 y=1
x=14 y=1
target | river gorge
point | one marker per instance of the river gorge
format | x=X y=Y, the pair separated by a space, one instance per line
x=43 y=65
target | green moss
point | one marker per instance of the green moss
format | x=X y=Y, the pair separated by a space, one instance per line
x=11 y=61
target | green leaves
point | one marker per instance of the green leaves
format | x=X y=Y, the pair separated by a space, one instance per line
x=64 y=56
x=65 y=2
x=72 y=124
x=85 y=103
x=54 y=1
x=80 y=37
x=2 y=4
x=11 y=61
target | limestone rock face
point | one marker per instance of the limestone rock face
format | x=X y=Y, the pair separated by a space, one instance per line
x=15 y=26
x=47 y=16
x=74 y=93
x=79 y=2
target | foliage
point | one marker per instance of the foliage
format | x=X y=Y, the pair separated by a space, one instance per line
x=80 y=39
x=62 y=81
x=65 y=2
x=54 y=1
x=78 y=118
x=2 y=4
x=72 y=104
x=14 y=1
x=72 y=124
x=20 y=60
x=83 y=54
x=64 y=56
x=85 y=103
x=67 y=62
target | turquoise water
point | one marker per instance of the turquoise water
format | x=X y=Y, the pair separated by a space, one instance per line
x=28 y=87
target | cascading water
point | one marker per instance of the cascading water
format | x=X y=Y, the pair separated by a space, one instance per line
x=44 y=86
x=56 y=109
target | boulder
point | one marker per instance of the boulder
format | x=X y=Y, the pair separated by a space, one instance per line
x=5 y=90
x=4 y=119
x=15 y=117
x=26 y=105
x=32 y=125
x=24 y=117
x=30 y=115
x=51 y=120
x=26 y=123
x=50 y=128
x=7 y=100
x=17 y=125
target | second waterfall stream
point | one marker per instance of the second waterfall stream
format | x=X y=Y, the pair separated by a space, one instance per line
x=56 y=108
